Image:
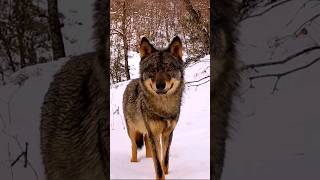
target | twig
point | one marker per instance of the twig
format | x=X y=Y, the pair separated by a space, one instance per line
x=287 y=59
x=266 y=10
x=21 y=148
x=3 y=122
x=278 y=76
x=306 y=22
x=24 y=154
x=17 y=159
x=198 y=84
x=198 y=80
x=9 y=155
x=301 y=7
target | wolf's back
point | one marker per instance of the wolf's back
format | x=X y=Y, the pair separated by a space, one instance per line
x=225 y=78
x=73 y=135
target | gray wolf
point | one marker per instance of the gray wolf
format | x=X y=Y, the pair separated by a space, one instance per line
x=151 y=103
x=74 y=127
x=225 y=78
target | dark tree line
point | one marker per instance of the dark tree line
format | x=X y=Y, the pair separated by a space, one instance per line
x=159 y=21
x=29 y=34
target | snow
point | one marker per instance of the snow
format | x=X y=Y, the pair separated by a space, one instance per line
x=20 y=119
x=190 y=148
x=77 y=31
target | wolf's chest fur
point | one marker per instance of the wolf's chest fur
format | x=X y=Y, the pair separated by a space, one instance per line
x=160 y=111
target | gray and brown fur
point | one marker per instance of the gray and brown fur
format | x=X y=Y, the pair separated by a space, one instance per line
x=151 y=103
x=74 y=126
x=225 y=78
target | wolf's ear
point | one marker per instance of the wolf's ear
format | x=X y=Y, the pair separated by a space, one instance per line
x=175 y=47
x=146 y=48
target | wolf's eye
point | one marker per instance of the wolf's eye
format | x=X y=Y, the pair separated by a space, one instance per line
x=150 y=75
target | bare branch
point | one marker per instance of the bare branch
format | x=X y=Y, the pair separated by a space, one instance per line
x=198 y=84
x=278 y=76
x=274 y=5
x=198 y=80
x=3 y=122
x=287 y=59
x=298 y=11
x=9 y=155
x=306 y=22
x=24 y=154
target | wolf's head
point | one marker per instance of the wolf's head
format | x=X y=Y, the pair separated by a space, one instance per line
x=161 y=71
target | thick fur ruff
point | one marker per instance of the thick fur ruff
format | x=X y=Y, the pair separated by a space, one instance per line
x=74 y=126
x=225 y=78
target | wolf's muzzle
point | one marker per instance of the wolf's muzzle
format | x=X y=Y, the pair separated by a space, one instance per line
x=160 y=86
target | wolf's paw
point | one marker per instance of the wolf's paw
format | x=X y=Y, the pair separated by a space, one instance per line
x=160 y=178
x=134 y=160
x=165 y=170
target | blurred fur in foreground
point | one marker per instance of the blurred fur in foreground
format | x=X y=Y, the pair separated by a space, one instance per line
x=74 y=126
x=225 y=78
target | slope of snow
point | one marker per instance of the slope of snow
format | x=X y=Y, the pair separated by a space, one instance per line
x=20 y=119
x=190 y=148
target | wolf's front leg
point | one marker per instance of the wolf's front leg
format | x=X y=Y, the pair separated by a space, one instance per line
x=154 y=141
x=148 y=148
x=166 y=142
x=133 y=136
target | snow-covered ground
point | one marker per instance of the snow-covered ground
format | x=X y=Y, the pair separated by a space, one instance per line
x=20 y=120
x=190 y=148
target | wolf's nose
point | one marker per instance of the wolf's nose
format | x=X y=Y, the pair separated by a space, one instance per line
x=160 y=85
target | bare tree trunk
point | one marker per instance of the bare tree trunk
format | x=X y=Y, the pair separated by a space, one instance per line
x=11 y=63
x=20 y=28
x=21 y=47
x=6 y=45
x=55 y=30
x=32 y=54
x=125 y=41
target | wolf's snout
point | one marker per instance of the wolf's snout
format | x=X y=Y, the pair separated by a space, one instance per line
x=160 y=85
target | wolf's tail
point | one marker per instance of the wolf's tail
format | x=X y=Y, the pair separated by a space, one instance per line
x=139 y=140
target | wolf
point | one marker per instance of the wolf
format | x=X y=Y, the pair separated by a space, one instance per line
x=151 y=103
x=74 y=127
x=225 y=78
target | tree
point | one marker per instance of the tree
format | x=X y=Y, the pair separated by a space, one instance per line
x=55 y=30
x=23 y=35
